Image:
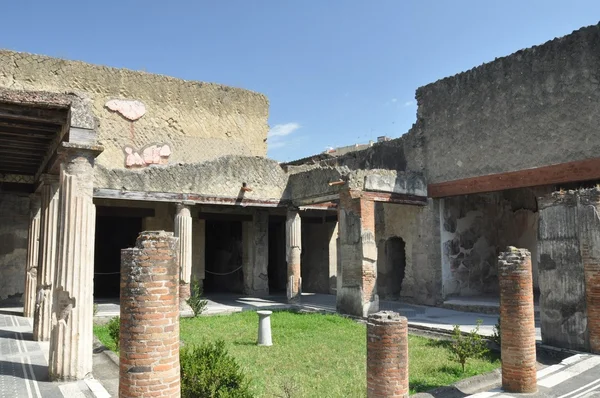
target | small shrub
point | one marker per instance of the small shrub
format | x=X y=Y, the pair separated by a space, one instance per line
x=114 y=329
x=496 y=337
x=208 y=371
x=470 y=346
x=196 y=301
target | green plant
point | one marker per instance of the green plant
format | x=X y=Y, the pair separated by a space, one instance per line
x=467 y=346
x=114 y=329
x=497 y=337
x=196 y=301
x=208 y=371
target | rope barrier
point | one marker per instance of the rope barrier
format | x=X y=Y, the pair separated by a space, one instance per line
x=224 y=273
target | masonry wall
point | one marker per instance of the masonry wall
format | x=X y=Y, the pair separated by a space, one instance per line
x=14 y=227
x=476 y=228
x=535 y=107
x=186 y=115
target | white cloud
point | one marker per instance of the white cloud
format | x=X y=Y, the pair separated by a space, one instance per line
x=278 y=144
x=409 y=103
x=281 y=130
x=394 y=99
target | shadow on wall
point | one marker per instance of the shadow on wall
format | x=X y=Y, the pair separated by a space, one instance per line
x=391 y=267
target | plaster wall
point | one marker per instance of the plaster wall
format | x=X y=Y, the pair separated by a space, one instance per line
x=199 y=121
x=14 y=227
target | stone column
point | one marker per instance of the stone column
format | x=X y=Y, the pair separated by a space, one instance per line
x=183 y=231
x=42 y=320
x=32 y=256
x=517 y=320
x=589 y=233
x=149 y=340
x=293 y=249
x=72 y=307
x=387 y=355
x=358 y=251
x=255 y=256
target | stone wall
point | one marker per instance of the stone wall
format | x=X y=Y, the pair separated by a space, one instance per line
x=475 y=229
x=198 y=121
x=535 y=107
x=14 y=227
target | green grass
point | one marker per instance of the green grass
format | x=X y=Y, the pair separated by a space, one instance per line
x=317 y=355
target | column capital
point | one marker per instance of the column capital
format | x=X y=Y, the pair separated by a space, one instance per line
x=183 y=209
x=69 y=148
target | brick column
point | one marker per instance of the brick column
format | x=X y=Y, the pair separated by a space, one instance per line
x=357 y=255
x=293 y=248
x=31 y=266
x=589 y=233
x=387 y=355
x=73 y=303
x=149 y=343
x=517 y=320
x=183 y=231
x=42 y=318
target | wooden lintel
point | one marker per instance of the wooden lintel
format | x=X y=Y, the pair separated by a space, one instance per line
x=399 y=198
x=315 y=200
x=33 y=114
x=583 y=170
x=181 y=197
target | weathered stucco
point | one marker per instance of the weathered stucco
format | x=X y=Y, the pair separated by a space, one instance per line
x=199 y=121
x=220 y=177
x=535 y=107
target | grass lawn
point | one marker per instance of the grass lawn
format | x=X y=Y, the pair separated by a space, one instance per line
x=317 y=355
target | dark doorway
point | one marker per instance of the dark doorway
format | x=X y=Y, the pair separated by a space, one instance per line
x=391 y=266
x=223 y=272
x=277 y=260
x=113 y=233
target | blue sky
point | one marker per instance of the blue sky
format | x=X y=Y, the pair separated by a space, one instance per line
x=337 y=72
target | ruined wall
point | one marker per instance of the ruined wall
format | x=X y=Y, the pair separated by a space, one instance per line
x=316 y=257
x=562 y=279
x=533 y=108
x=475 y=229
x=198 y=121
x=14 y=227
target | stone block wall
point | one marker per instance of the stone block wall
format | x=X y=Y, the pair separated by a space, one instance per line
x=14 y=227
x=198 y=121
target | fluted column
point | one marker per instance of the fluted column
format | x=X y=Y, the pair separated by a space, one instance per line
x=183 y=231
x=32 y=256
x=42 y=319
x=72 y=308
x=293 y=248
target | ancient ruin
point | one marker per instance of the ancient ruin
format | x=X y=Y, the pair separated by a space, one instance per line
x=505 y=154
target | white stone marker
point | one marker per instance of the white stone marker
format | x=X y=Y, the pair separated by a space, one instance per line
x=264 y=328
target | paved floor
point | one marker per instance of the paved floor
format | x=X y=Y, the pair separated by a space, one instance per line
x=24 y=364
x=575 y=377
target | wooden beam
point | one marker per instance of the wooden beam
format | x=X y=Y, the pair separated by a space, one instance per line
x=399 y=198
x=583 y=170
x=33 y=114
x=17 y=124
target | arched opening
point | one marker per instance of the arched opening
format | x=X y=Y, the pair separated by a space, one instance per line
x=391 y=267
